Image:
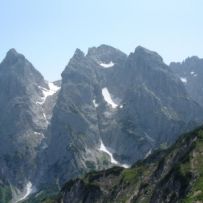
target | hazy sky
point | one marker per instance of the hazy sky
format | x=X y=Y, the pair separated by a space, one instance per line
x=47 y=32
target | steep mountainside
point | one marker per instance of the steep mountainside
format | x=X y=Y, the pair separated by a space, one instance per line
x=172 y=175
x=190 y=72
x=114 y=109
x=111 y=110
x=23 y=121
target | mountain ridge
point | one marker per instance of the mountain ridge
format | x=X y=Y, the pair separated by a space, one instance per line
x=109 y=109
x=117 y=104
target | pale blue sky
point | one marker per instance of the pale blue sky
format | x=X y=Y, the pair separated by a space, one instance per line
x=47 y=32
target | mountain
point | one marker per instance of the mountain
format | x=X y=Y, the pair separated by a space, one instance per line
x=190 y=72
x=23 y=121
x=172 y=175
x=109 y=109
x=114 y=109
x=75 y=128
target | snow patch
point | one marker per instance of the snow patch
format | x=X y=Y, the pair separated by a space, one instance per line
x=39 y=134
x=148 y=153
x=44 y=115
x=24 y=194
x=47 y=92
x=193 y=73
x=104 y=149
x=95 y=103
x=108 y=99
x=125 y=165
x=36 y=133
x=184 y=80
x=113 y=161
x=107 y=65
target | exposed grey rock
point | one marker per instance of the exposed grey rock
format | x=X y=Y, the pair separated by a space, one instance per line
x=171 y=175
x=151 y=108
x=190 y=71
x=22 y=121
x=111 y=109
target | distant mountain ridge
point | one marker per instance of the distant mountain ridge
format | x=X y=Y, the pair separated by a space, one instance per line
x=108 y=109
x=190 y=71
x=109 y=97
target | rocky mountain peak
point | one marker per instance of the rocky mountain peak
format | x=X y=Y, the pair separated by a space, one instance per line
x=194 y=60
x=111 y=110
x=76 y=64
x=78 y=53
x=16 y=66
x=101 y=49
x=189 y=62
x=146 y=54
x=13 y=57
x=12 y=52
x=106 y=54
x=190 y=73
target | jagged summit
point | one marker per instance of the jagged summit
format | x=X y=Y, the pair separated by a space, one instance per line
x=12 y=56
x=106 y=53
x=112 y=109
x=102 y=48
x=193 y=60
x=12 y=52
x=190 y=73
x=17 y=63
x=189 y=61
x=76 y=63
x=79 y=53
x=19 y=76
x=147 y=54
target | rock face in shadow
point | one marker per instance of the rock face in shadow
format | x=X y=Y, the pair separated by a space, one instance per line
x=108 y=109
x=133 y=104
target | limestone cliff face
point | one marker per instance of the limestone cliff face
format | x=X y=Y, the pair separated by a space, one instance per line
x=133 y=104
x=112 y=109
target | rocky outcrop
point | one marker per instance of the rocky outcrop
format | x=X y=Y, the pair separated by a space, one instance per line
x=172 y=175
x=190 y=72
